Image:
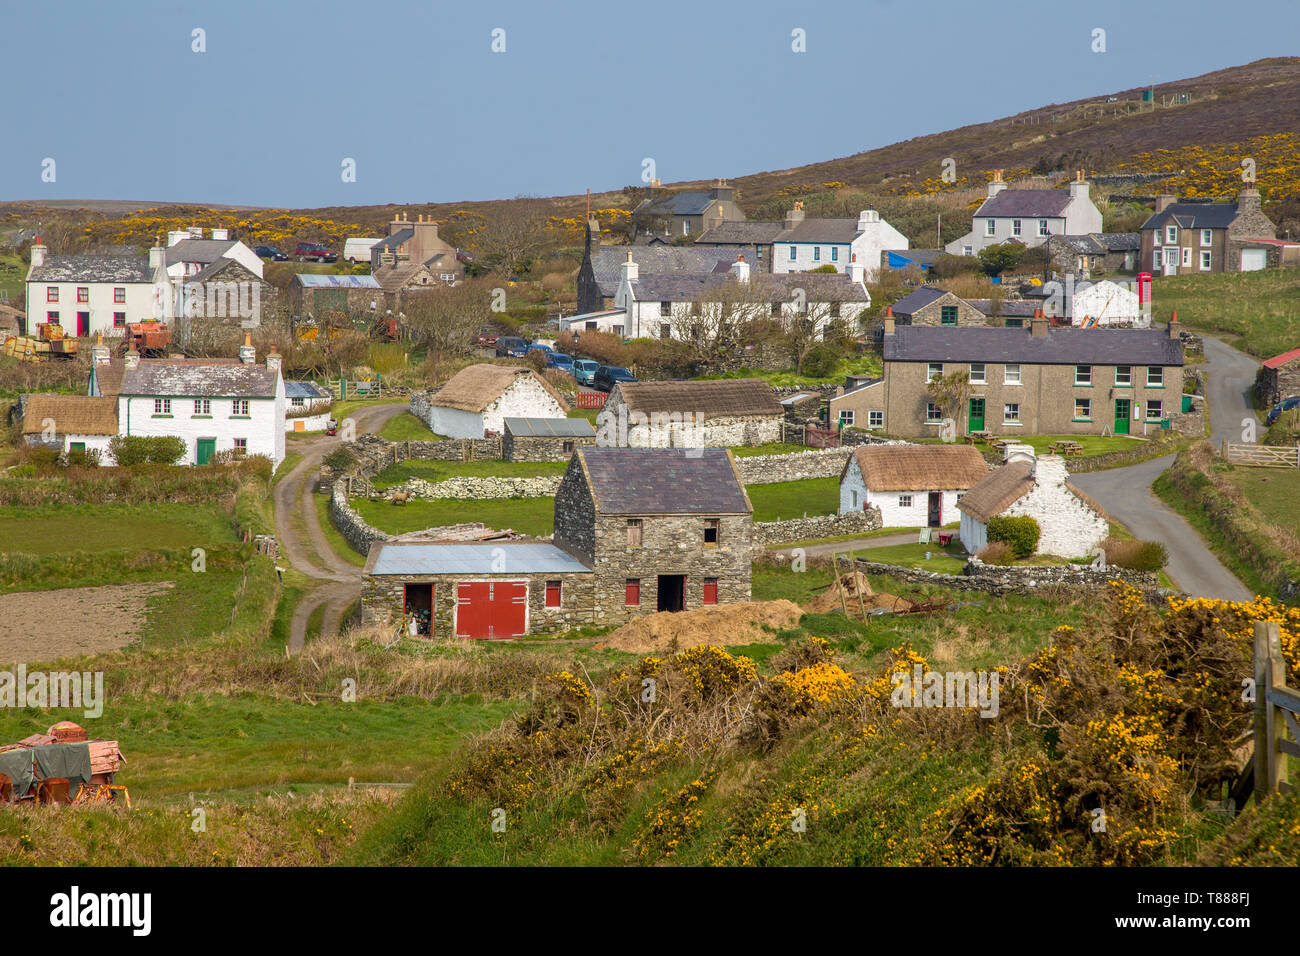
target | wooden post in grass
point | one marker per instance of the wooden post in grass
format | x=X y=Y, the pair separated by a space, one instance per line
x=853 y=569
x=839 y=582
x=1275 y=705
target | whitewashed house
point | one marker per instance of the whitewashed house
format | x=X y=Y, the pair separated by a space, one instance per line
x=478 y=399
x=807 y=244
x=1071 y=524
x=302 y=399
x=1105 y=303
x=71 y=422
x=88 y=294
x=914 y=486
x=1028 y=216
x=213 y=405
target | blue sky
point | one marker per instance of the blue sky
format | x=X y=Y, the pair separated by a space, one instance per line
x=115 y=95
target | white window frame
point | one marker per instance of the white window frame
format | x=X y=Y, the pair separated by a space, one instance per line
x=982 y=373
x=1155 y=376
x=930 y=371
x=1015 y=227
x=1207 y=237
x=875 y=419
x=1187 y=256
x=904 y=501
x=1086 y=414
x=847 y=416
x=1171 y=235
x=967 y=250
x=1205 y=260
x=1157 y=259
x=933 y=414
x=1127 y=372
x=1011 y=413
x=1083 y=375
x=1008 y=377
x=1042 y=228
x=989 y=227
x=1160 y=410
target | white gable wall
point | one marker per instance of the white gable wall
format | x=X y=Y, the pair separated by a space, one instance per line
x=523 y=398
x=855 y=496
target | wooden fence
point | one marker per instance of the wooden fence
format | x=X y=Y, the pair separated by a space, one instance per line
x=591 y=400
x=1263 y=456
x=1276 y=708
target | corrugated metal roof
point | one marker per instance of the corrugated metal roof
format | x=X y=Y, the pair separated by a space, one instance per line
x=503 y=558
x=336 y=282
x=550 y=427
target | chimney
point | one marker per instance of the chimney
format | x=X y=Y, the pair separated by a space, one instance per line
x=273 y=360
x=1164 y=201
x=177 y=235
x=721 y=191
x=593 y=236
x=630 y=270
x=397 y=225
x=740 y=269
x=996 y=185
x=866 y=218
x=1038 y=325
x=889 y=320
x=1248 y=201
x=195 y=232
x=1175 y=327
x=1017 y=451
x=132 y=358
x=247 y=354
x=1050 y=470
x=157 y=254
x=425 y=239
x=855 y=270
x=39 y=250
x=794 y=216
x=99 y=353
x=221 y=234
x=1079 y=188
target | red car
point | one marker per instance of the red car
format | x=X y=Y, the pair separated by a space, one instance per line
x=488 y=338
x=315 y=252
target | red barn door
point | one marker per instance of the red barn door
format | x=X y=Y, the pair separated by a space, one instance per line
x=491 y=609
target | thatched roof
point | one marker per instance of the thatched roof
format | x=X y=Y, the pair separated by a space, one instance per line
x=108 y=377
x=71 y=414
x=728 y=398
x=474 y=388
x=919 y=467
x=1005 y=486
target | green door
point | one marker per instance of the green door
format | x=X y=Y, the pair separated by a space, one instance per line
x=206 y=448
x=1121 y=416
x=77 y=446
x=976 y=423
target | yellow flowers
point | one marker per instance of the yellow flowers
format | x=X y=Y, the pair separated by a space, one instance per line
x=822 y=682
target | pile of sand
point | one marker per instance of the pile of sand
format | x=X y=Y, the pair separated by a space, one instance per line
x=852 y=584
x=723 y=624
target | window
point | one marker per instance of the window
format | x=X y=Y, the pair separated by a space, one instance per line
x=988 y=229
x=1207 y=237
x=817 y=253
x=948 y=315
x=1155 y=411
x=566 y=447
x=935 y=371
x=1124 y=375
x=686 y=227
x=1083 y=375
x=665 y=308
x=710 y=595
x=1155 y=377
x=241 y=447
x=83 y=293
x=162 y=406
x=1205 y=261
x=665 y=330
x=977 y=373
x=855 y=499
x=933 y=414
x=846 y=416
x=1011 y=374
x=875 y=419
x=1187 y=256
x=297 y=402
x=904 y=501
x=1171 y=234
x=1015 y=227
x=239 y=406
x=52 y=317
x=969 y=250
x=202 y=406
x=835 y=253
x=119 y=320
x=632 y=592
x=552 y=593
x=1082 y=409
x=1042 y=227
x=835 y=310
x=1014 y=323
x=792 y=253
x=51 y=293
x=1156 y=259
x=1011 y=413
x=711 y=528
x=634 y=532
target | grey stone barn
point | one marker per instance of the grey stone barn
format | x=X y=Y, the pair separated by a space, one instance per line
x=545 y=439
x=663 y=529
x=712 y=414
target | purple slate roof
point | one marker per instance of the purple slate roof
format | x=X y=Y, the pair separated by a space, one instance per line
x=664 y=481
x=1029 y=203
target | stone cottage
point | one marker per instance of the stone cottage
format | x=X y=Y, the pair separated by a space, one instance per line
x=477 y=400
x=912 y=485
x=1278 y=377
x=743 y=411
x=545 y=439
x=1071 y=524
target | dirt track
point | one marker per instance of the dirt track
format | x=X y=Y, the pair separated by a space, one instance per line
x=44 y=625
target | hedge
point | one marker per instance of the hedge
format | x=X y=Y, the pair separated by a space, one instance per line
x=1020 y=532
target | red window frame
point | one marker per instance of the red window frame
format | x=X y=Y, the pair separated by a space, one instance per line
x=553 y=589
x=710 y=591
x=83 y=293
x=52 y=316
x=119 y=320
x=632 y=592
x=51 y=293
x=119 y=294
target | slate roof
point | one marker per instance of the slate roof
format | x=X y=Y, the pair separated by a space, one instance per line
x=664 y=481
x=520 y=558
x=920 y=343
x=216 y=267
x=1100 y=243
x=919 y=467
x=200 y=379
x=299 y=389
x=550 y=427
x=741 y=232
x=1015 y=308
x=1194 y=215
x=820 y=230
x=390 y=243
x=92 y=268
x=607 y=263
x=72 y=414
x=916 y=300
x=106 y=379
x=1030 y=203
x=198 y=250
x=919 y=256
x=678 y=204
x=311 y=281
x=725 y=398
x=819 y=287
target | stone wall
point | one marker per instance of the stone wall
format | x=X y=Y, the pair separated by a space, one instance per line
x=814 y=463
x=350 y=524
x=541 y=448
x=994 y=579
x=821 y=526
x=464 y=487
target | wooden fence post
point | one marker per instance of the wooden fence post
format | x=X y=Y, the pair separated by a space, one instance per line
x=1270 y=725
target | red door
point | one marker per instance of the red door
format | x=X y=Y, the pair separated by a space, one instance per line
x=491 y=609
x=83 y=324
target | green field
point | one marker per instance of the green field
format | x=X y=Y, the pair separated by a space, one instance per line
x=1261 y=310
x=442 y=470
x=1093 y=445
x=1274 y=491
x=406 y=427
x=63 y=528
x=783 y=500
x=531 y=516
x=949 y=560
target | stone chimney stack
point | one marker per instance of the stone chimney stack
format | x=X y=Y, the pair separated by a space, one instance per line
x=1079 y=187
x=1038 y=325
x=631 y=272
x=247 y=354
x=1164 y=201
x=273 y=360
x=721 y=191
x=996 y=185
x=425 y=239
x=157 y=254
x=221 y=234
x=99 y=352
x=889 y=320
x=593 y=236
x=132 y=358
x=1248 y=201
x=1175 y=327
x=794 y=216
x=740 y=269
x=39 y=250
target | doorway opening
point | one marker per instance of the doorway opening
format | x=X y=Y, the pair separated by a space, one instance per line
x=672 y=592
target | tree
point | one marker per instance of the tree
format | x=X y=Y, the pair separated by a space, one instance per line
x=998 y=258
x=511 y=237
x=716 y=324
x=950 y=393
x=447 y=320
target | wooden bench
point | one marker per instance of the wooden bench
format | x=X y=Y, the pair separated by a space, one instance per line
x=1065 y=447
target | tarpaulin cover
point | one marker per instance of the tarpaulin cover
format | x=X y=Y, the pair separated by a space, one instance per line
x=17 y=764
x=64 y=760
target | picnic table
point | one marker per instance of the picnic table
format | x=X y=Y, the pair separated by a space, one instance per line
x=1065 y=447
x=945 y=538
x=975 y=436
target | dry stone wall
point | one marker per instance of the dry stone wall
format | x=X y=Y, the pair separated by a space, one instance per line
x=996 y=579
x=821 y=526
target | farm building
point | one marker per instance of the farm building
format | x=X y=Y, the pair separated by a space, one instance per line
x=301 y=401
x=1278 y=377
x=545 y=439
x=1071 y=524
x=477 y=400
x=912 y=485
x=71 y=422
x=320 y=296
x=742 y=411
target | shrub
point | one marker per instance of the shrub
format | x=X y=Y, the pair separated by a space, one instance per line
x=1021 y=533
x=130 y=450
x=999 y=552
x=340 y=459
x=1135 y=555
x=80 y=458
x=821 y=362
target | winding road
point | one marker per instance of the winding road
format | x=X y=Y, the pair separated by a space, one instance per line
x=307 y=550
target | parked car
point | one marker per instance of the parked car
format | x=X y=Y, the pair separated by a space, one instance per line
x=1283 y=406
x=607 y=376
x=272 y=253
x=561 y=361
x=539 y=347
x=315 y=252
x=584 y=370
x=511 y=346
x=488 y=337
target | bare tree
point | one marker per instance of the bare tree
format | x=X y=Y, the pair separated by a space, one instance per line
x=719 y=322
x=511 y=237
x=447 y=320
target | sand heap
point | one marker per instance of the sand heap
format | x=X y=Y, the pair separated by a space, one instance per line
x=747 y=623
x=852 y=584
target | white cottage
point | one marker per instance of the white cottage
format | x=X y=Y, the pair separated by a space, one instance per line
x=1105 y=303
x=912 y=485
x=1028 y=216
x=478 y=399
x=88 y=294
x=71 y=423
x=1071 y=524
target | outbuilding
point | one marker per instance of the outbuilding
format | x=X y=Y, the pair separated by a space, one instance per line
x=478 y=399
x=545 y=439
x=716 y=414
x=912 y=485
x=71 y=423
